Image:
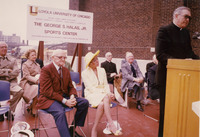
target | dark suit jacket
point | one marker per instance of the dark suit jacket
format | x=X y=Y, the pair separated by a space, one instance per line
x=109 y=67
x=151 y=76
x=171 y=42
x=50 y=87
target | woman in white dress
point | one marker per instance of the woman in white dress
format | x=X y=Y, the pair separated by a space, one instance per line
x=97 y=92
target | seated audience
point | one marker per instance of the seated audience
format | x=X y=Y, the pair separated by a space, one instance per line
x=97 y=92
x=57 y=93
x=152 y=87
x=111 y=70
x=30 y=80
x=154 y=62
x=9 y=71
x=132 y=78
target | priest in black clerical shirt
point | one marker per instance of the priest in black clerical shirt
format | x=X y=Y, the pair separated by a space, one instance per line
x=110 y=68
x=173 y=41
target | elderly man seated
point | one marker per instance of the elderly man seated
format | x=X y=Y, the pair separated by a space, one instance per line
x=111 y=70
x=9 y=71
x=132 y=78
x=57 y=92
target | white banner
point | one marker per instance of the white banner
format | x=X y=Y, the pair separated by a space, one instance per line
x=47 y=24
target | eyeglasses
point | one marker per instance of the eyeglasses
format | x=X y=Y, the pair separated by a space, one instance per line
x=61 y=57
x=187 y=17
x=3 y=47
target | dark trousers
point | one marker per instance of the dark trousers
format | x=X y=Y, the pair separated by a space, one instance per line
x=162 y=90
x=57 y=110
x=138 y=92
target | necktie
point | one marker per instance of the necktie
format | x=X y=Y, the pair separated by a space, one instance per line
x=133 y=70
x=61 y=78
x=60 y=71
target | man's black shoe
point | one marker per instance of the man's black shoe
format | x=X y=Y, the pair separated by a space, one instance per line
x=9 y=117
x=1 y=118
x=71 y=129
x=139 y=107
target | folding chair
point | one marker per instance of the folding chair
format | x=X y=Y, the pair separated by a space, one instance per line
x=113 y=105
x=38 y=119
x=75 y=77
x=5 y=96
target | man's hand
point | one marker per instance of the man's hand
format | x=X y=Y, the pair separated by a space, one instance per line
x=138 y=80
x=71 y=102
x=112 y=74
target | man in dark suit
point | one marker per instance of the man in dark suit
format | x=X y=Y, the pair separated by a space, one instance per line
x=153 y=92
x=173 y=41
x=111 y=70
x=57 y=92
x=152 y=88
x=132 y=78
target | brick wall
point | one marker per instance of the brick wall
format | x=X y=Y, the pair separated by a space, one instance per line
x=195 y=23
x=131 y=25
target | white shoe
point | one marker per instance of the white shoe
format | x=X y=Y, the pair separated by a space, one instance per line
x=123 y=104
x=158 y=100
x=146 y=101
x=107 y=130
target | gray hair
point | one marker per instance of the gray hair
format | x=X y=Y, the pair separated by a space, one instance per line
x=179 y=10
x=107 y=54
x=57 y=52
x=3 y=43
x=128 y=54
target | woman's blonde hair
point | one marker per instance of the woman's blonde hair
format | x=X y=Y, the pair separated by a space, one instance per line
x=28 y=52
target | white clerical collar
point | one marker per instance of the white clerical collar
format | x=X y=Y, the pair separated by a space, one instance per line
x=177 y=26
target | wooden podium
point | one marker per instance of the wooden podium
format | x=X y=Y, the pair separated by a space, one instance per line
x=183 y=80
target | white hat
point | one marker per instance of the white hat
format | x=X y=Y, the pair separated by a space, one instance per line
x=89 y=56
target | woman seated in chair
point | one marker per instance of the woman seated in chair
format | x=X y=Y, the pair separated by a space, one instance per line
x=97 y=92
x=29 y=81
